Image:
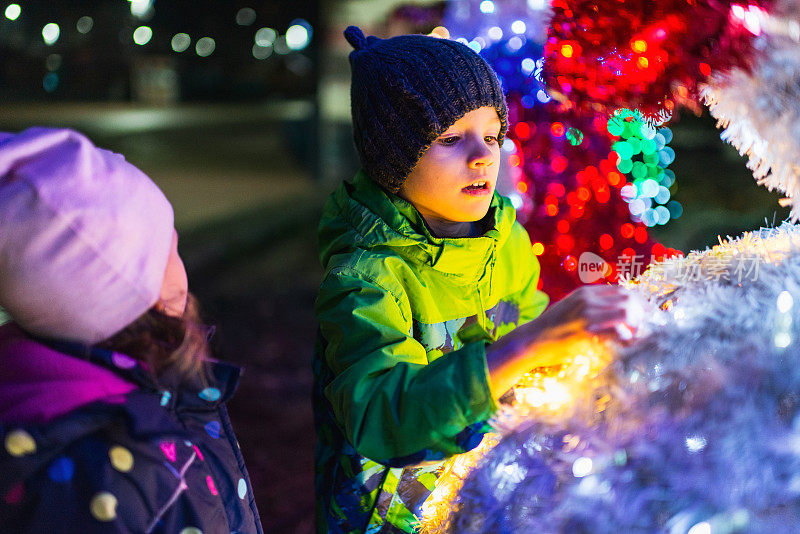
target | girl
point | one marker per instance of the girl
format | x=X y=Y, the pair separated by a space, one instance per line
x=112 y=417
x=426 y=269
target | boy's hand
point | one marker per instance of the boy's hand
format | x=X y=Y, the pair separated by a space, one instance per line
x=606 y=310
x=611 y=312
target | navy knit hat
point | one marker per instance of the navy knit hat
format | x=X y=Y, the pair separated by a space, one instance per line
x=406 y=91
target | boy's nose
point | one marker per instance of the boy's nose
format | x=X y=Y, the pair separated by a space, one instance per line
x=481 y=156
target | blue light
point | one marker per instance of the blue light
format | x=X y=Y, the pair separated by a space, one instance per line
x=50 y=82
x=515 y=43
x=637 y=206
x=663 y=215
x=487 y=6
x=543 y=97
x=662 y=197
x=527 y=101
x=660 y=141
x=667 y=177
x=650 y=217
x=666 y=156
x=675 y=208
x=528 y=65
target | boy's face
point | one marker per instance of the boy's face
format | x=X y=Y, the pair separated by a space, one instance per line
x=453 y=182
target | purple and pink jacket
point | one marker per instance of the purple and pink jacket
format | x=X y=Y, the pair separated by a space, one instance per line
x=91 y=443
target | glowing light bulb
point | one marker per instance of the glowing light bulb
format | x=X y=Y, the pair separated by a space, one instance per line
x=205 y=46
x=782 y=340
x=181 y=42
x=700 y=528
x=13 y=11
x=140 y=8
x=261 y=52
x=142 y=35
x=696 y=443
x=496 y=33
x=245 y=16
x=298 y=36
x=785 y=302
x=50 y=33
x=84 y=24
x=487 y=6
x=265 y=36
x=582 y=467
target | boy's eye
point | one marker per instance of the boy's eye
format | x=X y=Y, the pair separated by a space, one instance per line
x=449 y=140
x=490 y=138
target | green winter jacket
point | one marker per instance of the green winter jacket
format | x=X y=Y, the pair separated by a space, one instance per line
x=400 y=377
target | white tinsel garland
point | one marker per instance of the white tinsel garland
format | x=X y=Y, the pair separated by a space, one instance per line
x=698 y=431
x=760 y=111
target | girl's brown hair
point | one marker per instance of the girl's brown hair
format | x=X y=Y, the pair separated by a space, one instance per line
x=165 y=342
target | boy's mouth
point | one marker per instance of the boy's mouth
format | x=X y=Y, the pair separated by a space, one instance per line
x=477 y=188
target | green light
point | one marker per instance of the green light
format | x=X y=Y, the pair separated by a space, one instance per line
x=647 y=173
x=648 y=146
x=623 y=149
x=639 y=170
x=650 y=158
x=574 y=136
x=630 y=130
x=615 y=126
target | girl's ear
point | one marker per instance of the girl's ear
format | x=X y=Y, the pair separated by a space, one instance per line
x=175 y=288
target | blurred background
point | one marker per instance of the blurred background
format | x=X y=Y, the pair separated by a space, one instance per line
x=239 y=110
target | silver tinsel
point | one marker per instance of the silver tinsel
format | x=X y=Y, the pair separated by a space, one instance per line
x=760 y=110
x=699 y=429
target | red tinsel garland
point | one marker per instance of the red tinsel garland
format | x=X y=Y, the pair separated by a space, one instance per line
x=642 y=54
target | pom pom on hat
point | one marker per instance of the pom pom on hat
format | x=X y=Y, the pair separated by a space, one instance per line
x=85 y=236
x=355 y=37
x=406 y=91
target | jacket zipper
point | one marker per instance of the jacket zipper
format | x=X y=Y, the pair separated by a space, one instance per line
x=482 y=311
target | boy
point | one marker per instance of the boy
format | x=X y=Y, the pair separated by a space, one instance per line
x=425 y=269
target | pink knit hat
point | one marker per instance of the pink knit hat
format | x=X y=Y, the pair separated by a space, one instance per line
x=84 y=236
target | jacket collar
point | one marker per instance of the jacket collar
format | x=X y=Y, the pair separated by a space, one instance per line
x=379 y=218
x=223 y=378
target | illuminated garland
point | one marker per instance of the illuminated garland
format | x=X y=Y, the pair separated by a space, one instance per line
x=550 y=393
x=647 y=194
x=707 y=400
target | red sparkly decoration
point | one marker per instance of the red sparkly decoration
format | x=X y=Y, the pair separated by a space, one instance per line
x=645 y=55
x=576 y=202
